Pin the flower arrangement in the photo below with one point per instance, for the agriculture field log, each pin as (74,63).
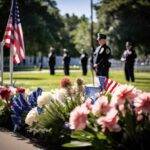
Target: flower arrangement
(99,119)
(6,95)
(120,120)
(56,106)
(21,105)
(65,94)
(79,86)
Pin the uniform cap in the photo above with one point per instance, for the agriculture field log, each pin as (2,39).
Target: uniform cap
(101,36)
(65,50)
(128,43)
(52,49)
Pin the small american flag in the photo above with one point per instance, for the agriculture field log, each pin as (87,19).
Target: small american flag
(13,37)
(107,84)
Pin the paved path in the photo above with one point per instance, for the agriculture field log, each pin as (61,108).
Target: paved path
(10,141)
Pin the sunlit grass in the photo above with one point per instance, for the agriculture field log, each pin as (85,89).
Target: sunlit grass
(44,80)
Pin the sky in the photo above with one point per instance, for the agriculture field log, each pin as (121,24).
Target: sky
(78,7)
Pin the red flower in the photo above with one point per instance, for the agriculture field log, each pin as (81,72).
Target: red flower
(20,90)
(65,82)
(5,93)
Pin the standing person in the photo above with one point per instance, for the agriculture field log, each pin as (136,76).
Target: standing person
(66,61)
(128,57)
(41,63)
(84,62)
(52,61)
(101,57)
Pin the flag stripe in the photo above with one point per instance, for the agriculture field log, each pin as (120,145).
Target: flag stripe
(107,84)
(13,37)
(113,87)
(110,86)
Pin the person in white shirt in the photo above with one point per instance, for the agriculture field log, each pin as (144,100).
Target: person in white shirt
(128,57)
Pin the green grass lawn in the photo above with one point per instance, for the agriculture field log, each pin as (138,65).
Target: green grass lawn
(44,80)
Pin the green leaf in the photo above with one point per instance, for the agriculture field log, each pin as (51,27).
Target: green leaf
(101,136)
(2,104)
(82,135)
(74,144)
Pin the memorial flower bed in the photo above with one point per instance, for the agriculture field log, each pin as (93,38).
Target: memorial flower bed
(6,95)
(76,115)
(114,121)
(56,106)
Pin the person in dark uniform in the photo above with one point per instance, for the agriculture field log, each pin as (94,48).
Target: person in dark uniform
(84,62)
(41,63)
(66,61)
(52,61)
(128,57)
(101,57)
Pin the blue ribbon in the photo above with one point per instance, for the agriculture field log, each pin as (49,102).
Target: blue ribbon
(20,106)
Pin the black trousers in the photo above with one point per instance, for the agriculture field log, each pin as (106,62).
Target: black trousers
(84,70)
(129,72)
(52,70)
(102,71)
(66,69)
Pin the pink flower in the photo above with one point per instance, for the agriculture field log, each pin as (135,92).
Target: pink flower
(110,121)
(12,90)
(123,93)
(88,104)
(139,117)
(142,103)
(101,106)
(78,118)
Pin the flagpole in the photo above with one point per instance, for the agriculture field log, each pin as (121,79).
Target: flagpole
(13,37)
(11,66)
(2,63)
(11,63)
(92,45)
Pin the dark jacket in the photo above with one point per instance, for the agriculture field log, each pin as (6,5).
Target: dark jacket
(129,56)
(84,59)
(66,59)
(101,56)
(52,59)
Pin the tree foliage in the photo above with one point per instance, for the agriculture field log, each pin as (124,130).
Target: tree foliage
(70,24)
(81,36)
(125,20)
(41,23)
(43,26)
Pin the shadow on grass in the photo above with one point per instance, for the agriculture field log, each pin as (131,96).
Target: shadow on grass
(26,78)
(143,82)
(142,78)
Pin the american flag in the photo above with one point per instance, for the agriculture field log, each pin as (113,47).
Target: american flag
(13,37)
(108,84)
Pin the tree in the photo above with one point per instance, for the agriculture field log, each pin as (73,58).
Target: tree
(125,20)
(81,36)
(41,23)
(72,23)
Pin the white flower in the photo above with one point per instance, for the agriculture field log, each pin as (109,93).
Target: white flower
(44,99)
(27,92)
(31,116)
(60,94)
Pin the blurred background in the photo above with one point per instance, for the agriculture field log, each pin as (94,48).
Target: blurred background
(67,24)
